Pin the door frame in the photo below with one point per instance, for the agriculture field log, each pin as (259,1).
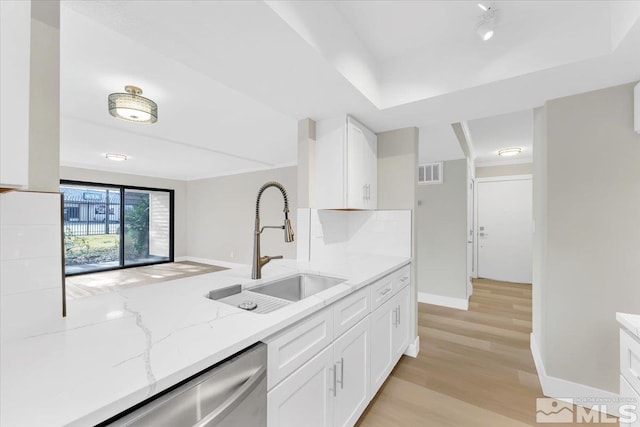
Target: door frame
(475,209)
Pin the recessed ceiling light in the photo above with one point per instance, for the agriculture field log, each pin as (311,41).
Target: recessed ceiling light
(511,151)
(483,7)
(116,157)
(132,107)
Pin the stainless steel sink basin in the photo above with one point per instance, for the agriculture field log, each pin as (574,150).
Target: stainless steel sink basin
(297,287)
(274,295)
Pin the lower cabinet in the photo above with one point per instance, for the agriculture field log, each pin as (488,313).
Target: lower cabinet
(400,335)
(389,337)
(332,389)
(325,370)
(351,354)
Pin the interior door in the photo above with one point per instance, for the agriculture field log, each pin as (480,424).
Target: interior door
(470,234)
(504,221)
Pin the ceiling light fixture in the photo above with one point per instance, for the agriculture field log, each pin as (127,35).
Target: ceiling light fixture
(116,157)
(132,107)
(487,22)
(511,151)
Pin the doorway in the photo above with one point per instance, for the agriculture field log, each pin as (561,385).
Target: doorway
(503,224)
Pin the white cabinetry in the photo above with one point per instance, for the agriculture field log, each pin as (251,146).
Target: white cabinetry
(351,355)
(630,374)
(332,389)
(15,48)
(381,344)
(324,370)
(389,336)
(305,398)
(346,165)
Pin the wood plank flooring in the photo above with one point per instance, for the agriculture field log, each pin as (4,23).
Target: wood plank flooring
(474,367)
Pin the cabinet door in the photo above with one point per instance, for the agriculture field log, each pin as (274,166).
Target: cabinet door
(351,357)
(371,169)
(400,312)
(356,166)
(381,342)
(306,397)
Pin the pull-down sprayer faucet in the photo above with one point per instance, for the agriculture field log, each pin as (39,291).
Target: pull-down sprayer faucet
(259,261)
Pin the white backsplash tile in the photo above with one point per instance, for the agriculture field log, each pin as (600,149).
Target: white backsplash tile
(302,234)
(336,234)
(24,208)
(29,241)
(27,275)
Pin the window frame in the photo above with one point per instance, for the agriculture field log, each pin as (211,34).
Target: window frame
(122,189)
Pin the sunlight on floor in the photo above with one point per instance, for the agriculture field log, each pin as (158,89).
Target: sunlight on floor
(108,281)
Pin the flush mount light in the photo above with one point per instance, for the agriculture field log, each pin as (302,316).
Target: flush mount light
(132,107)
(511,151)
(487,22)
(116,157)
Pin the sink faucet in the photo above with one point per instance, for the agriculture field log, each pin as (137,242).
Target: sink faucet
(260,261)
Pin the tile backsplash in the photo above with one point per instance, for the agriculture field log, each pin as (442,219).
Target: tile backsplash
(30,262)
(331,235)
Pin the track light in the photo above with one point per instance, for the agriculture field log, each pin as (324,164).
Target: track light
(487,22)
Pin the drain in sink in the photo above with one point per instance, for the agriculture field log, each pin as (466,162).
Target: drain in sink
(248,305)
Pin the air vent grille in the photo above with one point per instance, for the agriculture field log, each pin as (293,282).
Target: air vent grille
(430,173)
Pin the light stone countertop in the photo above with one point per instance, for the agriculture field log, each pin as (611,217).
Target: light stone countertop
(117,349)
(631,322)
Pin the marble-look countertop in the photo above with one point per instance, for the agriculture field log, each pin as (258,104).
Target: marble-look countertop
(630,321)
(115,350)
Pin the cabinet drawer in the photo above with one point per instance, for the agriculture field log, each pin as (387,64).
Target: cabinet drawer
(350,310)
(630,359)
(630,398)
(381,291)
(290,349)
(402,278)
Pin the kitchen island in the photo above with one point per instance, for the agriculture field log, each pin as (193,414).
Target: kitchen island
(116,350)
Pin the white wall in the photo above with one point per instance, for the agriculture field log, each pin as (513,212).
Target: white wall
(397,181)
(44,97)
(593,236)
(442,233)
(504,170)
(179,187)
(222,212)
(540,213)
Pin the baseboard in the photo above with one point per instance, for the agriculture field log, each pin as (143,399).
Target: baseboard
(414,348)
(560,389)
(217,262)
(451,302)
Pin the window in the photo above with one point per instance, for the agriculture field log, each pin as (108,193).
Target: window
(109,227)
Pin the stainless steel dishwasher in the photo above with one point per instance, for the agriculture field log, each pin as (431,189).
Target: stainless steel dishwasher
(230,394)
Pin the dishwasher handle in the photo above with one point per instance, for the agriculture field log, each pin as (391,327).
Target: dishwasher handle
(214,417)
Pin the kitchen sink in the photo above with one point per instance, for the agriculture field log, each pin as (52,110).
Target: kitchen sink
(274,295)
(297,287)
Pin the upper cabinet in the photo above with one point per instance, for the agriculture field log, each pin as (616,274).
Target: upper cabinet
(15,38)
(346,165)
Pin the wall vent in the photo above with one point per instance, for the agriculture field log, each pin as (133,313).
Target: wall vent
(430,173)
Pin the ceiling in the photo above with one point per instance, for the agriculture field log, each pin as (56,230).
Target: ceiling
(232,78)
(491,134)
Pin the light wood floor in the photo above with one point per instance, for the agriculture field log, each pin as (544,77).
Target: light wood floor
(106,281)
(474,367)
